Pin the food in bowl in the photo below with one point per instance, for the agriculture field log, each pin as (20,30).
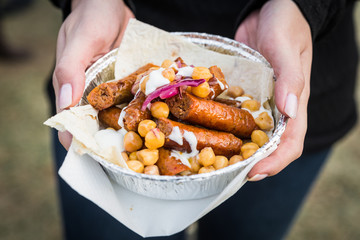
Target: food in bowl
(179,119)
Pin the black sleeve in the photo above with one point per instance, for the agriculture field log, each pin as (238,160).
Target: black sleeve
(322,15)
(64,5)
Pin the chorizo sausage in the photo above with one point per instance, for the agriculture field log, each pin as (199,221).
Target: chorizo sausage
(229,102)
(222,143)
(133,114)
(211,114)
(112,93)
(169,165)
(109,117)
(217,83)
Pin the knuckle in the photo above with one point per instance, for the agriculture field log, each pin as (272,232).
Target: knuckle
(60,72)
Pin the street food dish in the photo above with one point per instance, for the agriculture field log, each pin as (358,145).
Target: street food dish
(176,123)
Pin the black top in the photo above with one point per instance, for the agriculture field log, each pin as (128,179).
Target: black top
(331,110)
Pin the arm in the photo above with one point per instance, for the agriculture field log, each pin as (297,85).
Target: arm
(283,31)
(280,32)
(92,29)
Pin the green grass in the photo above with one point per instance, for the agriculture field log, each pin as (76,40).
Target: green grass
(28,203)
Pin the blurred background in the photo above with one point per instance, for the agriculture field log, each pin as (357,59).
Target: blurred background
(28,203)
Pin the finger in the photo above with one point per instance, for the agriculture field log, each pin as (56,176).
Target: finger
(282,157)
(69,74)
(290,80)
(246,32)
(65,139)
(290,147)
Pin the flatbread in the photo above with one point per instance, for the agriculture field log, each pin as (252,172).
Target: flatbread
(143,43)
(82,123)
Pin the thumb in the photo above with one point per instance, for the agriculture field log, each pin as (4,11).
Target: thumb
(69,77)
(290,79)
(69,74)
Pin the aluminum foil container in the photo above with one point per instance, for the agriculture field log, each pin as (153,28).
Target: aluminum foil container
(182,187)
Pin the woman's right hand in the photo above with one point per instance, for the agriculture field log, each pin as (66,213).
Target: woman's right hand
(92,29)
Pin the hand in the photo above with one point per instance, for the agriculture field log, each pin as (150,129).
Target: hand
(281,34)
(92,29)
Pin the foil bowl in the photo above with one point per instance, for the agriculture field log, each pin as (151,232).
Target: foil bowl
(182,187)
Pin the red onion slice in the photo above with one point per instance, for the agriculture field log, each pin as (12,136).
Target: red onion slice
(170,90)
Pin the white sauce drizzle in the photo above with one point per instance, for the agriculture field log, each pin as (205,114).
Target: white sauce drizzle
(176,136)
(185,71)
(242,99)
(156,79)
(261,110)
(213,91)
(222,86)
(256,114)
(121,118)
(191,139)
(174,65)
(182,156)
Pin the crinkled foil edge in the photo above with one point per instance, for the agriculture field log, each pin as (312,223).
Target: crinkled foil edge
(182,187)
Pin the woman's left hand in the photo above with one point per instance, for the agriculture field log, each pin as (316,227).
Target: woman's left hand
(282,35)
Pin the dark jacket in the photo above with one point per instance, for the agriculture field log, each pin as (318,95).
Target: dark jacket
(332,110)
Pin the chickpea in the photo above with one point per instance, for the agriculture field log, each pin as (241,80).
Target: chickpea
(159,109)
(147,156)
(143,84)
(206,169)
(132,141)
(136,166)
(201,73)
(252,105)
(195,165)
(236,158)
(202,90)
(145,126)
(185,173)
(169,74)
(235,91)
(132,156)
(125,156)
(220,162)
(248,153)
(166,63)
(249,145)
(206,157)
(154,139)
(151,170)
(266,105)
(259,137)
(264,121)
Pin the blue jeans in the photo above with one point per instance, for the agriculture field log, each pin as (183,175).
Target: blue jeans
(260,210)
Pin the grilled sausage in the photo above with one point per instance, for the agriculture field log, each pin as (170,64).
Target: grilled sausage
(212,115)
(133,114)
(109,117)
(229,102)
(221,142)
(169,165)
(115,92)
(217,83)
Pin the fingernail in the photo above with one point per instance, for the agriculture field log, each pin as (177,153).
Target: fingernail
(291,105)
(257,177)
(65,98)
